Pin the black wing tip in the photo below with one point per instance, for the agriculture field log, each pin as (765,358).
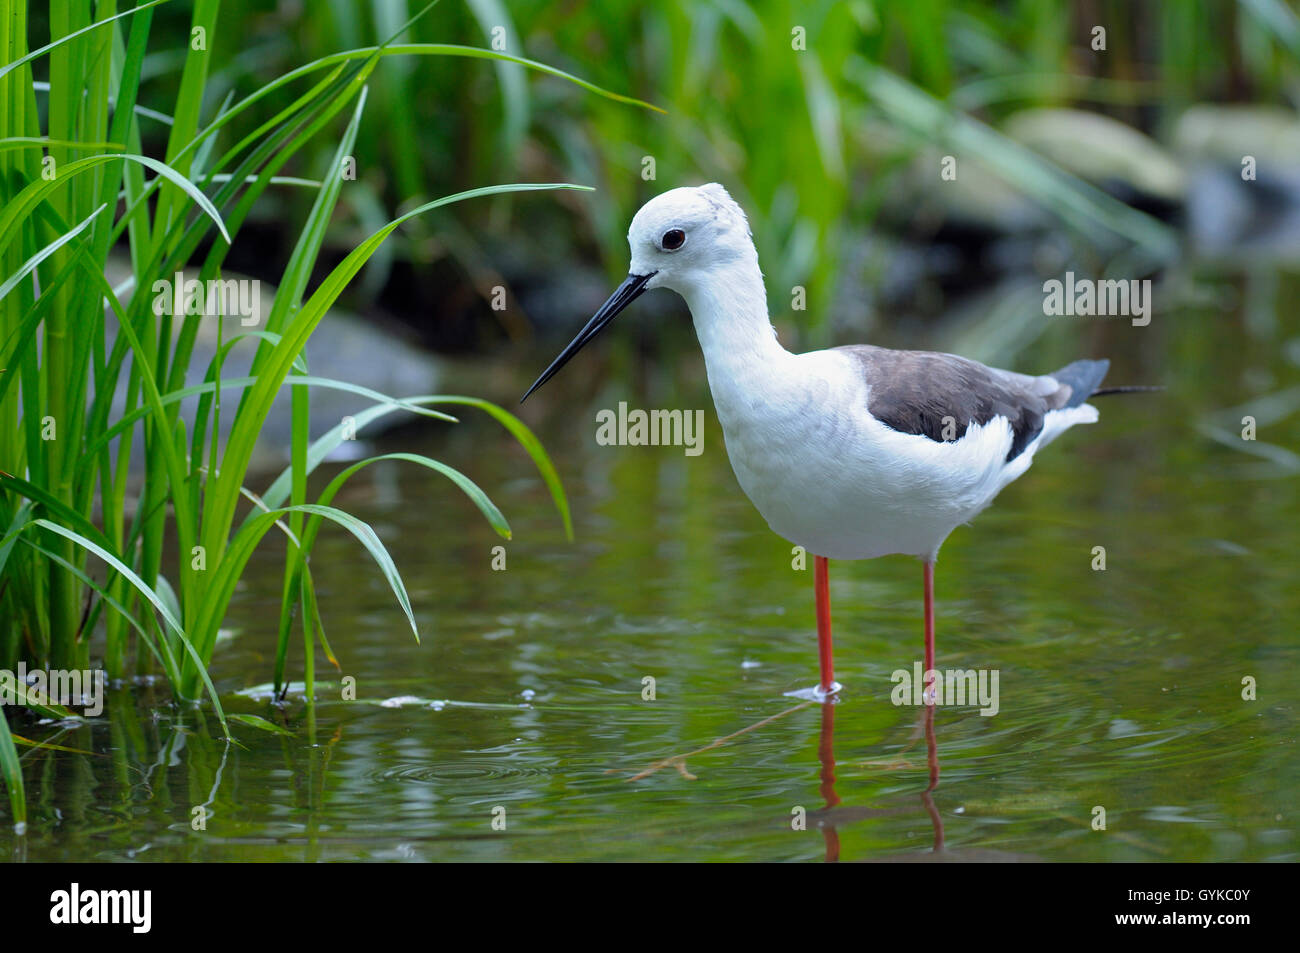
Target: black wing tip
(1082,377)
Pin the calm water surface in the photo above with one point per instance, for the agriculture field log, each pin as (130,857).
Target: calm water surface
(1119,689)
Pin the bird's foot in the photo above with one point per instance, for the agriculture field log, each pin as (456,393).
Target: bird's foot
(817,693)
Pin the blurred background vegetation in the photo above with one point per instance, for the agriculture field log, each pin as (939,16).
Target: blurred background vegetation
(833,150)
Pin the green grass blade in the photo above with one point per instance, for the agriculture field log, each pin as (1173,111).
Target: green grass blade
(22,516)
(411,49)
(11,770)
(217,593)
(13,356)
(474,52)
(139,584)
(36,192)
(117,564)
(236,383)
(519,430)
(258,400)
(466,485)
(172,453)
(278,491)
(31,264)
(36,54)
(160,648)
(260,723)
(42,142)
(309,595)
(36,701)
(54,506)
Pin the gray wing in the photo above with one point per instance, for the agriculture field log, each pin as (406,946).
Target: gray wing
(913,391)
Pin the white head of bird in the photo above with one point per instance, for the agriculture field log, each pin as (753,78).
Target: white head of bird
(685,235)
(696,242)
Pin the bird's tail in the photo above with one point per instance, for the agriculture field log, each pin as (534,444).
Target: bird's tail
(1130,389)
(1082,377)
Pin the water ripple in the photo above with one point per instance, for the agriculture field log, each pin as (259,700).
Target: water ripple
(462,769)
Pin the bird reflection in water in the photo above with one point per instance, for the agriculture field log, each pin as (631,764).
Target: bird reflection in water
(829,818)
(832,815)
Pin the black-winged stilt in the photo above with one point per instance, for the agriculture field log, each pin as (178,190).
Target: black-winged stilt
(850,452)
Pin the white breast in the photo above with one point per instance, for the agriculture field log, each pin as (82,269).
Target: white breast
(828,476)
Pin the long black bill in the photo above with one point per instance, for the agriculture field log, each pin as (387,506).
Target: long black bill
(631,289)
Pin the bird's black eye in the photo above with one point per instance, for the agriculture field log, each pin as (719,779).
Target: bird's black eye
(673,239)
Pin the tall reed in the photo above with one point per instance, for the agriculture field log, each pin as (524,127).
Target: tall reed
(155,574)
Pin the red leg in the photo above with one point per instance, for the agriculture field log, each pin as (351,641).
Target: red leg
(822,582)
(826,755)
(932,755)
(928,570)
(931,748)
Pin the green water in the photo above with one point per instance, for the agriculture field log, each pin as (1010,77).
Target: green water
(1119,689)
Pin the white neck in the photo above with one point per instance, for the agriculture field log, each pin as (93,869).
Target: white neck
(739,343)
